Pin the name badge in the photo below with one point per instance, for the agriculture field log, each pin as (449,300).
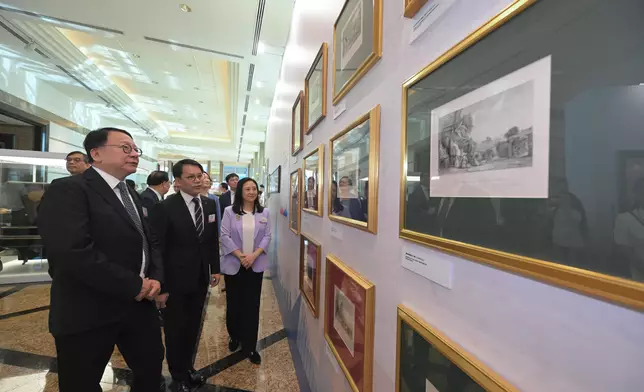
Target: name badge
(212,218)
(263,220)
(145,212)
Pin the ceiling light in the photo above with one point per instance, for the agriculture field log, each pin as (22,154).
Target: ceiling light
(200,101)
(155,82)
(259,84)
(257,101)
(136,56)
(261,48)
(167,72)
(185,8)
(197,88)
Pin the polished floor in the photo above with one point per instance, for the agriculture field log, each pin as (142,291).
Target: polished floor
(28,363)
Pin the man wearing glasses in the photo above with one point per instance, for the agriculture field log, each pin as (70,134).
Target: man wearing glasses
(105,267)
(77,162)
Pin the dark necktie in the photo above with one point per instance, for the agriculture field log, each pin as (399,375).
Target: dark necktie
(131,211)
(198,217)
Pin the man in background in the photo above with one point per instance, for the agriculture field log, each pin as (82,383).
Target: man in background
(262,195)
(227,198)
(77,162)
(158,186)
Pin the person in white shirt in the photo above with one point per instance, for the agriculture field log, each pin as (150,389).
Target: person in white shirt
(158,187)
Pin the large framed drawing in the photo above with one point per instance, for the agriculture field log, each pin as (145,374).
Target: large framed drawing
(275,180)
(313,169)
(349,322)
(295,194)
(353,189)
(412,7)
(310,269)
(297,122)
(315,90)
(357,43)
(427,360)
(501,167)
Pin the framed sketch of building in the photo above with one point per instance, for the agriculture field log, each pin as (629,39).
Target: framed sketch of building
(295,183)
(313,181)
(315,90)
(310,271)
(297,122)
(349,322)
(357,43)
(493,141)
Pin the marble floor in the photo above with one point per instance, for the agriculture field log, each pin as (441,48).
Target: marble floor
(28,363)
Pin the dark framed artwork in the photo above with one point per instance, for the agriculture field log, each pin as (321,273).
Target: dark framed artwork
(310,271)
(427,360)
(295,194)
(349,322)
(313,170)
(275,180)
(315,90)
(357,44)
(501,168)
(297,117)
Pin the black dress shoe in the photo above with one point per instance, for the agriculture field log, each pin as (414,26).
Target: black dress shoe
(181,386)
(233,344)
(254,358)
(196,378)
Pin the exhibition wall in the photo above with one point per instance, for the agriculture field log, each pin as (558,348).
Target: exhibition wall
(537,336)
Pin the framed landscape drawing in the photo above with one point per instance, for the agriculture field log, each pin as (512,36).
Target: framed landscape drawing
(297,118)
(274,180)
(426,360)
(295,183)
(349,322)
(502,167)
(310,269)
(315,90)
(412,7)
(357,43)
(313,169)
(353,189)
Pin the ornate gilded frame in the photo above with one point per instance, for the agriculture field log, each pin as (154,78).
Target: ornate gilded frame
(614,289)
(483,375)
(314,304)
(370,302)
(369,62)
(298,101)
(320,175)
(298,173)
(323,57)
(373,116)
(412,7)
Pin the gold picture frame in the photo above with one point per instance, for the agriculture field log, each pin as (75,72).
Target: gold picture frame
(294,215)
(412,7)
(363,295)
(318,198)
(313,303)
(472,367)
(369,61)
(297,122)
(599,285)
(371,224)
(321,61)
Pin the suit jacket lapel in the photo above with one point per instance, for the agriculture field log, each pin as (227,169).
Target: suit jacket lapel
(258,217)
(96,182)
(185,214)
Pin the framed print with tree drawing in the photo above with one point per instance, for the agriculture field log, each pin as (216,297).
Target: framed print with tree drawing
(315,90)
(297,118)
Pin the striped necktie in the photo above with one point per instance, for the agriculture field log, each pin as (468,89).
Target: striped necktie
(131,211)
(198,217)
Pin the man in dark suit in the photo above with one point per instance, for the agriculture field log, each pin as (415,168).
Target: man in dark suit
(186,226)
(158,186)
(227,198)
(105,268)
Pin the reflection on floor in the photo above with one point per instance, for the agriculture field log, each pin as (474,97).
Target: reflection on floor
(27,352)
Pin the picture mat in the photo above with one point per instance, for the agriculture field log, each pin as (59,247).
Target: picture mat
(315,95)
(351,34)
(344,315)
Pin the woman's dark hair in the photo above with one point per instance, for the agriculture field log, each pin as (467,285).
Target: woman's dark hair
(223,185)
(238,203)
(335,203)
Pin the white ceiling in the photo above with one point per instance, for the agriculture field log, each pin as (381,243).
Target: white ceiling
(189,92)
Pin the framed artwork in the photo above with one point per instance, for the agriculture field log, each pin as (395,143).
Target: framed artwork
(315,90)
(313,168)
(297,118)
(274,180)
(353,189)
(427,360)
(310,270)
(492,168)
(349,322)
(295,184)
(413,6)
(357,43)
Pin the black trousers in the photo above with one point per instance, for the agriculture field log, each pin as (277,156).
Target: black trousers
(181,325)
(243,294)
(82,357)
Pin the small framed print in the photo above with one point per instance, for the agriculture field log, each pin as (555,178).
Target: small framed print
(413,6)
(349,322)
(315,90)
(297,118)
(357,44)
(274,180)
(426,360)
(310,261)
(313,168)
(353,189)
(294,200)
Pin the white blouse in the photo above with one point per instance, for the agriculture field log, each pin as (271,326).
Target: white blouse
(248,233)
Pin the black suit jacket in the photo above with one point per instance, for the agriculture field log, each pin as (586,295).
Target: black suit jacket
(94,252)
(188,260)
(225,201)
(149,199)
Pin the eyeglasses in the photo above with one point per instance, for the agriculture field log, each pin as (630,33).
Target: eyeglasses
(74,160)
(193,177)
(127,149)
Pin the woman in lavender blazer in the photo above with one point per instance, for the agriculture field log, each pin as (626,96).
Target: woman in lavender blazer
(245,236)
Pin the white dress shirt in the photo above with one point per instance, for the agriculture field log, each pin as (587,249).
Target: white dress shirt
(113,183)
(248,233)
(156,193)
(191,206)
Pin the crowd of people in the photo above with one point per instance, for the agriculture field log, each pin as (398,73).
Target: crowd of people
(118,258)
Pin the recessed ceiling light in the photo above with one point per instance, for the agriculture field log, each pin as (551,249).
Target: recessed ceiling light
(155,82)
(189,65)
(257,101)
(200,101)
(185,8)
(197,88)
